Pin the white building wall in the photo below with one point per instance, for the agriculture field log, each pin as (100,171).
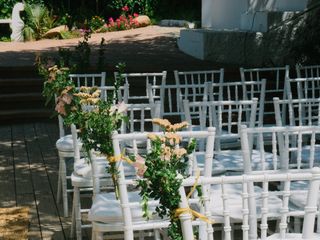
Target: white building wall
(238,14)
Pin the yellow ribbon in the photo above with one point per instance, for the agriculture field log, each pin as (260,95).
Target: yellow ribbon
(194,213)
(113,159)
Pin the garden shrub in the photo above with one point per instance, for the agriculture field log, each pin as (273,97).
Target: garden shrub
(38,21)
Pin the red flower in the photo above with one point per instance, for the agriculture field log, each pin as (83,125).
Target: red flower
(110,19)
(136,15)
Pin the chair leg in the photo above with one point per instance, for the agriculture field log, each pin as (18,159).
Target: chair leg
(64,187)
(77,211)
(73,221)
(157,234)
(59,182)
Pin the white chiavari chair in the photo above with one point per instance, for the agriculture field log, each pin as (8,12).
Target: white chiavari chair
(125,215)
(64,144)
(138,81)
(275,86)
(253,204)
(307,71)
(226,117)
(139,120)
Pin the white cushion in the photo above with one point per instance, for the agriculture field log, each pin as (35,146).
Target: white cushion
(305,155)
(105,208)
(65,144)
(295,236)
(299,193)
(232,160)
(234,201)
(83,168)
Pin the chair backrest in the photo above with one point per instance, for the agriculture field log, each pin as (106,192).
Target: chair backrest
(225,116)
(89,80)
(299,112)
(307,71)
(84,80)
(299,88)
(275,85)
(140,117)
(189,85)
(126,203)
(293,147)
(138,85)
(257,204)
(237,91)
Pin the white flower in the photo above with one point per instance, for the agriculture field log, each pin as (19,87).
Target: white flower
(122,107)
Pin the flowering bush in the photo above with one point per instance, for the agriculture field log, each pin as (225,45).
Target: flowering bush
(165,168)
(124,22)
(96,23)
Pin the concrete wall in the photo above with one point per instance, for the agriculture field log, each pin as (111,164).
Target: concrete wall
(244,14)
(241,48)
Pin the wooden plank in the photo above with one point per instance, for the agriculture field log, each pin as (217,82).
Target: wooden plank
(21,162)
(50,222)
(28,200)
(50,157)
(7,175)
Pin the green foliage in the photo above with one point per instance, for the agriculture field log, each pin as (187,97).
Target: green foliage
(6,7)
(306,45)
(38,21)
(166,166)
(96,23)
(146,7)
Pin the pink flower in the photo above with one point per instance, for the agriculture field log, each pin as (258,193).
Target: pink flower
(140,166)
(67,98)
(60,108)
(111,20)
(136,15)
(125,8)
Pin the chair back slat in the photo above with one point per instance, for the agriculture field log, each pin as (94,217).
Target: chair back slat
(275,86)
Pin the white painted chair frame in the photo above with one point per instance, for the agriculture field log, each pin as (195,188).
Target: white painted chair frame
(249,202)
(301,88)
(62,191)
(129,226)
(307,71)
(85,184)
(275,86)
(143,80)
(237,91)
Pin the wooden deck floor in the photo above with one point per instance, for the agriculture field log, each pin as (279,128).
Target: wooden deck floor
(28,176)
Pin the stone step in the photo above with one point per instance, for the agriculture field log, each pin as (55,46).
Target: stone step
(20,85)
(21,100)
(22,115)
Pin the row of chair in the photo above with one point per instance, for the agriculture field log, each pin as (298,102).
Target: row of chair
(255,89)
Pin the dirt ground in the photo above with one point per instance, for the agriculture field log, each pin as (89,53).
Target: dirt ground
(147,49)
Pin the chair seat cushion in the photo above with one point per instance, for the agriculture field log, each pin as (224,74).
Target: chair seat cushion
(305,155)
(233,192)
(295,236)
(82,168)
(299,192)
(105,208)
(232,160)
(65,143)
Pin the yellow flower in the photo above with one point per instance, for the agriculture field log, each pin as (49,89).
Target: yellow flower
(172,138)
(179,126)
(179,152)
(165,123)
(166,153)
(152,136)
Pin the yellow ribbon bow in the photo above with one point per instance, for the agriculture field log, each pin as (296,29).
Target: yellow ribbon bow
(194,213)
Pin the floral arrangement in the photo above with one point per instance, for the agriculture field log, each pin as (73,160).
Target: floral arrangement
(97,119)
(165,168)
